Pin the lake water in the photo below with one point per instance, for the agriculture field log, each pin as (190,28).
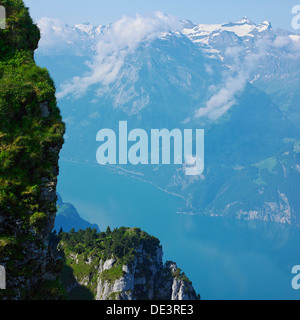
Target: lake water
(224,258)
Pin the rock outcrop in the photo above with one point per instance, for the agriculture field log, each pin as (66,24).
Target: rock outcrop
(138,274)
(144,281)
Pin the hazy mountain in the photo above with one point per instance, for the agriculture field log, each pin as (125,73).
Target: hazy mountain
(67,218)
(238,81)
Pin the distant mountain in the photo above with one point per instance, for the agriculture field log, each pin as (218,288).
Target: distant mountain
(67,218)
(274,54)
(239,81)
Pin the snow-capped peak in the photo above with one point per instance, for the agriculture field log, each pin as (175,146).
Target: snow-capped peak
(203,33)
(245,20)
(89,29)
(264,26)
(85,27)
(83,38)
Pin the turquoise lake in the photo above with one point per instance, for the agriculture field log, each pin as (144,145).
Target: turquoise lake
(224,258)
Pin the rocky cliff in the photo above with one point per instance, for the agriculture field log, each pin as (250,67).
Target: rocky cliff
(31,136)
(124,264)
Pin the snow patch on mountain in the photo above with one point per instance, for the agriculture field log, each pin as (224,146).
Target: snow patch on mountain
(203,32)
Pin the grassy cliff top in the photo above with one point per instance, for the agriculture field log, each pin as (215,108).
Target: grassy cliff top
(120,243)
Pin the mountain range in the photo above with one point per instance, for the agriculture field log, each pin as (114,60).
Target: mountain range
(238,81)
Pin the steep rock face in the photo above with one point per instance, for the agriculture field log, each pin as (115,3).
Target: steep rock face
(31,134)
(172,284)
(162,282)
(137,281)
(112,273)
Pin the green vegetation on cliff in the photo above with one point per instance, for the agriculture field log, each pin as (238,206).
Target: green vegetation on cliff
(122,264)
(121,243)
(26,137)
(31,135)
(83,251)
(20,35)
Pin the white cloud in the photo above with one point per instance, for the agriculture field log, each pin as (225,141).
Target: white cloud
(56,36)
(281,41)
(115,44)
(223,100)
(234,81)
(290,46)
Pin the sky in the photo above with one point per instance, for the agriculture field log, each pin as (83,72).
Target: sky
(278,12)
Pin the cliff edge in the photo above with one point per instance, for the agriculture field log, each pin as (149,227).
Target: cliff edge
(31,136)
